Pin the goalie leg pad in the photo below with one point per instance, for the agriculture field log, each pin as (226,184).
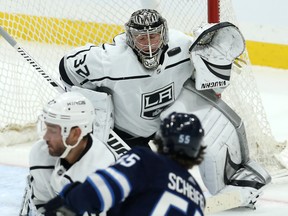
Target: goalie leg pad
(250,180)
(220,137)
(251,175)
(104,112)
(210,98)
(227,147)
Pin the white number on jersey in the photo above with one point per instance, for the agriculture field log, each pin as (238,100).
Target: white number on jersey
(128,160)
(169,200)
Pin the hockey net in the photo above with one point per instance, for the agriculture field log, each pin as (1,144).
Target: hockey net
(48,29)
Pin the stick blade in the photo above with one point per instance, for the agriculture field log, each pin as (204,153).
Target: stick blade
(222,202)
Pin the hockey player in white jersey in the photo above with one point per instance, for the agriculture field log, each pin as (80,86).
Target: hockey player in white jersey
(144,71)
(150,68)
(143,182)
(68,151)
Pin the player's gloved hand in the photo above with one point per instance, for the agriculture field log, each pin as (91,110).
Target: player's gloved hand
(58,206)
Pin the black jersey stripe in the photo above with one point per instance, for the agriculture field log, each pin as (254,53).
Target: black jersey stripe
(63,74)
(118,78)
(41,167)
(177,63)
(84,50)
(69,178)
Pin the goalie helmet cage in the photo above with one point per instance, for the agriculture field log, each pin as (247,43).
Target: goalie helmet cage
(48,29)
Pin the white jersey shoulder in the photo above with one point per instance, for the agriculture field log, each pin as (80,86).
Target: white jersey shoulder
(48,175)
(139,95)
(41,166)
(117,60)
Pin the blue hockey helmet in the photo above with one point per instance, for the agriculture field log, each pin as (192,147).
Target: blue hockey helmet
(181,133)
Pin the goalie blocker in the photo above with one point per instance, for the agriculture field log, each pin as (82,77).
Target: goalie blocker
(213,52)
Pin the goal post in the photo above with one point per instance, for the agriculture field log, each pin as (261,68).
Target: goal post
(213,10)
(48,29)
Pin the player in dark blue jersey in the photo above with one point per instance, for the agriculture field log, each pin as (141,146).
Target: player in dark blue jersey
(143,182)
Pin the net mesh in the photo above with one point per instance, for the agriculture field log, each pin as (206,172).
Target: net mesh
(48,29)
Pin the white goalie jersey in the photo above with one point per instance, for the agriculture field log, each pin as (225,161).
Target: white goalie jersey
(139,95)
(48,175)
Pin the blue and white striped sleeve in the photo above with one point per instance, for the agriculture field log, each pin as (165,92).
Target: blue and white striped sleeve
(111,186)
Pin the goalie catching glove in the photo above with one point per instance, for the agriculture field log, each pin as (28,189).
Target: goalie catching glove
(213,52)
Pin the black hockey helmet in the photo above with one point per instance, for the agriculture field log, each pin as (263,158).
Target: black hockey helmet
(181,133)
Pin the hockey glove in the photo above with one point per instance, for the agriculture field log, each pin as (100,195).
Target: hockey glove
(58,206)
(213,52)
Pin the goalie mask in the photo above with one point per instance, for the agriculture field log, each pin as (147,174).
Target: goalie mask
(181,133)
(147,34)
(68,110)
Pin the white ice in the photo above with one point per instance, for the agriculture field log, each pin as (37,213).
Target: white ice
(273,88)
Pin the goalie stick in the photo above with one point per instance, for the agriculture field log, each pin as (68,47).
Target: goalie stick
(114,141)
(30,60)
(222,202)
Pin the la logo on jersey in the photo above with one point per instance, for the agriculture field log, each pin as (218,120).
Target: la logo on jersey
(153,103)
